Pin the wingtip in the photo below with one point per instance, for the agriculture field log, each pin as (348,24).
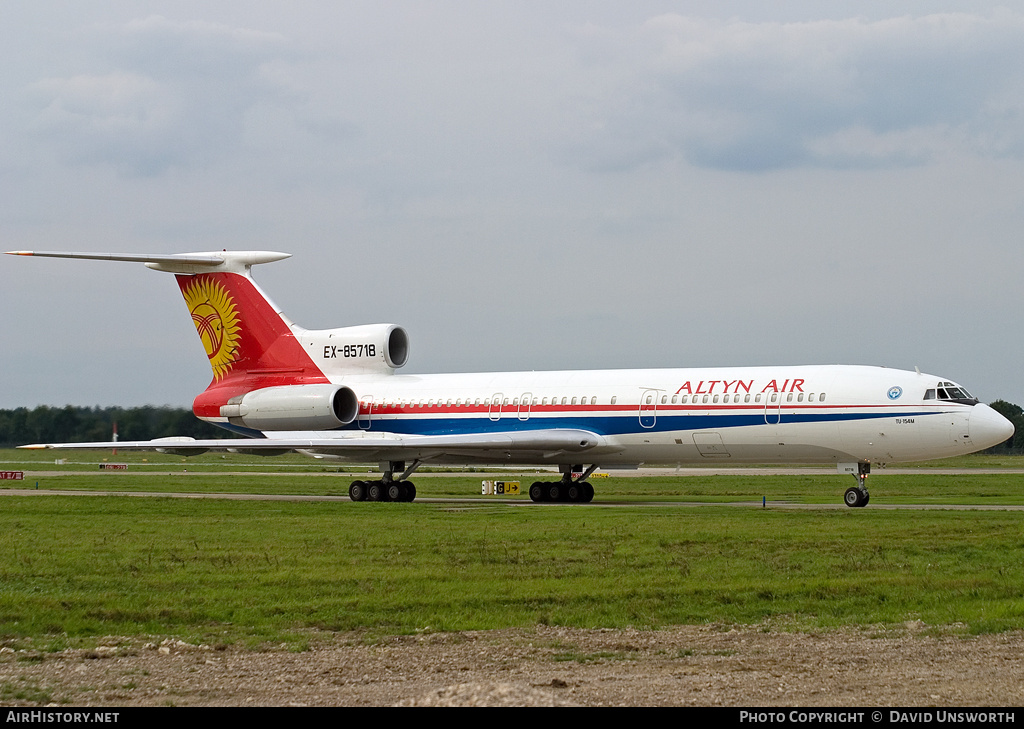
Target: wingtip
(19,253)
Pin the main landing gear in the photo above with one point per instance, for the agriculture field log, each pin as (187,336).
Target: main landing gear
(578,491)
(388,488)
(858,495)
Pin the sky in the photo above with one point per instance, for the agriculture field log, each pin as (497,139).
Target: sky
(522,185)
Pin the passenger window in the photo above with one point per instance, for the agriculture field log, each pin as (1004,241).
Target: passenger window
(715,399)
(746,398)
(705,398)
(593,400)
(725,398)
(574,401)
(664,399)
(789,397)
(614,398)
(821,398)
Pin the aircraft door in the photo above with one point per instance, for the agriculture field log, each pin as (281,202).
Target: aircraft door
(494,411)
(773,408)
(366,412)
(524,405)
(648,408)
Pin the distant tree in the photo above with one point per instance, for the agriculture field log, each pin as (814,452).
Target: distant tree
(74,424)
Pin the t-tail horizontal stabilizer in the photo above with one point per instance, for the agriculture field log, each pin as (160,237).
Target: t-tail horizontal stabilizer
(204,262)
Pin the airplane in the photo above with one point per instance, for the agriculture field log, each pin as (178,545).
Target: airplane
(335,393)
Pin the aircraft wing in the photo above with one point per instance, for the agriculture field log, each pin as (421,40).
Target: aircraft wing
(376,446)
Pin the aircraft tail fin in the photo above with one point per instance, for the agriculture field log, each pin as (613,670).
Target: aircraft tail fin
(244,334)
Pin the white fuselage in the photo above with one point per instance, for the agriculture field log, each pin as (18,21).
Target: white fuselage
(801,414)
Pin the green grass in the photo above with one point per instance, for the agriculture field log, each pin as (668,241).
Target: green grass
(918,488)
(73,569)
(227,571)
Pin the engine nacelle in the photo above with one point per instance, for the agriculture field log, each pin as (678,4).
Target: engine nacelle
(371,348)
(293,407)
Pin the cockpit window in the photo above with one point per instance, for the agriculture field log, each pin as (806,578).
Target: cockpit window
(952,392)
(929,394)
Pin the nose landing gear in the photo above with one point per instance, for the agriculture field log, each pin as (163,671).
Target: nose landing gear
(858,495)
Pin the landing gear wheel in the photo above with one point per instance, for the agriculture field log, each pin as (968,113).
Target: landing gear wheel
(410,491)
(357,491)
(575,492)
(376,491)
(396,491)
(854,497)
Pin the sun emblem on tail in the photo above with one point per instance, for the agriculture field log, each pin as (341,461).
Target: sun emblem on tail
(216,321)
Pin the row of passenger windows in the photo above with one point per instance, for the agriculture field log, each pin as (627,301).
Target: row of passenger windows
(746,397)
(486,402)
(772,397)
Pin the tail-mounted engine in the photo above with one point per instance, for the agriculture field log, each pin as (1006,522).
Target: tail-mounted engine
(293,407)
(367,349)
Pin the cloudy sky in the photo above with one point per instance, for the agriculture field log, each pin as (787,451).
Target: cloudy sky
(522,185)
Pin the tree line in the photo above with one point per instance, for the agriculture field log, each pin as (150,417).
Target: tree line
(73,424)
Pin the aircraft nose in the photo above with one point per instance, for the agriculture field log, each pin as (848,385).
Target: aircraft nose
(987,427)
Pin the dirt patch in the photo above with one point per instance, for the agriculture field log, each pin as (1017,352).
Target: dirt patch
(690,665)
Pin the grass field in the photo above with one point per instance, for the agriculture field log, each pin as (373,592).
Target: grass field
(228,571)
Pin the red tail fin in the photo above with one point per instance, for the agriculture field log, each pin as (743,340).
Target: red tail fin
(248,343)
